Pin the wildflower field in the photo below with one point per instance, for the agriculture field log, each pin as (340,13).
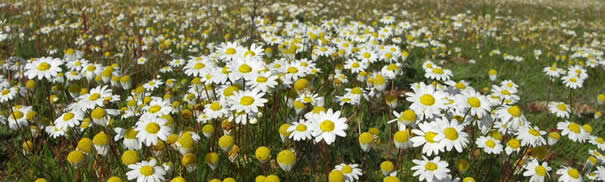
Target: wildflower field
(318,90)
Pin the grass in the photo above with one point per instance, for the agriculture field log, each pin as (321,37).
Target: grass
(520,28)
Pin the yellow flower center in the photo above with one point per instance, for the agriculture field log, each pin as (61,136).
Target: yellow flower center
(347,169)
(98,113)
(215,106)
(355,64)
(450,133)
(401,136)
(388,55)
(430,136)
(292,70)
(17,115)
(68,116)
(301,127)
(427,99)
(409,115)
(431,166)
(490,143)
(147,170)
(540,170)
(249,53)
(474,102)
(91,68)
(599,140)
(515,111)
(225,70)
(505,92)
(514,143)
(574,80)
(562,107)
(392,67)
(152,128)
(155,108)
(230,51)
(438,71)
(367,55)
(94,96)
(43,66)
(199,66)
(131,134)
(5,92)
(534,132)
(244,68)
(574,173)
(460,85)
(356,91)
(573,127)
(246,100)
(261,79)
(307,99)
(286,157)
(327,126)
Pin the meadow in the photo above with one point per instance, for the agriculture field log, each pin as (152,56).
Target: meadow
(322,90)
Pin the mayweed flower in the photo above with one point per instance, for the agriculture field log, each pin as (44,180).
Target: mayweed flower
(130,157)
(263,154)
(430,170)
(569,174)
(208,130)
(189,161)
(146,171)
(327,125)
(101,143)
(366,141)
(286,160)
(85,145)
(336,176)
(387,167)
(489,145)
(351,172)
(283,132)
(226,142)
(537,172)
(76,158)
(211,160)
(401,139)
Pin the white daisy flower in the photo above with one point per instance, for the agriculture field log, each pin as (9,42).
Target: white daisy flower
(327,125)
(430,170)
(18,118)
(538,172)
(151,85)
(151,128)
(560,109)
(569,174)
(300,131)
(489,145)
(43,68)
(8,94)
(146,171)
(453,136)
(95,97)
(264,81)
(350,171)
(55,131)
(531,136)
(574,131)
(70,119)
(429,136)
(247,101)
(426,100)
